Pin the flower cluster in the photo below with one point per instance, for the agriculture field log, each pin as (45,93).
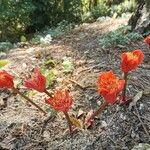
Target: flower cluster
(6,80)
(109,85)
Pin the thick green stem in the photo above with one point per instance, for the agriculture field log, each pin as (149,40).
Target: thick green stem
(101,108)
(29,100)
(68,121)
(125,87)
(49,94)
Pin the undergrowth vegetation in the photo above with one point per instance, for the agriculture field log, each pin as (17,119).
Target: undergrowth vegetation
(121,36)
(24,18)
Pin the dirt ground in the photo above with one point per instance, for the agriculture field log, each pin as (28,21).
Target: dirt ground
(22,127)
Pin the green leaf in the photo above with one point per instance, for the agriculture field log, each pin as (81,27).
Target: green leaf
(68,64)
(3,63)
(50,76)
(23,39)
(50,62)
(31,93)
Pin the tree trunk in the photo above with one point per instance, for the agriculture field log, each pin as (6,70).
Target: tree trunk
(140,20)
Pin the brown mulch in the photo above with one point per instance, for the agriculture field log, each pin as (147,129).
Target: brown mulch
(22,127)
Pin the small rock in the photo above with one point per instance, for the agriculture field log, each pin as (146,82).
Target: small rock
(99,103)
(103,124)
(46,135)
(3,55)
(141,107)
(133,135)
(30,50)
(2,103)
(122,117)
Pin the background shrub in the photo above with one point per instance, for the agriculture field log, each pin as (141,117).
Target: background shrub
(25,17)
(121,36)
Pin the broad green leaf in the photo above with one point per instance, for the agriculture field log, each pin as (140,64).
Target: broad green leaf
(3,63)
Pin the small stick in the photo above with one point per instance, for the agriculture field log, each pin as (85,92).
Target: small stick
(81,86)
(29,100)
(138,115)
(69,122)
(101,108)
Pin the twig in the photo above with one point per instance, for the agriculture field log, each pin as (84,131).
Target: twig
(101,108)
(29,100)
(141,117)
(80,85)
(49,118)
(138,115)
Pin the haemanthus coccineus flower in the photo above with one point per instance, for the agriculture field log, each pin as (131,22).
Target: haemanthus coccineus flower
(61,101)
(131,60)
(6,80)
(147,40)
(37,82)
(109,86)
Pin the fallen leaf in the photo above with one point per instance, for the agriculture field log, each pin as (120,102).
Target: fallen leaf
(88,122)
(76,122)
(135,99)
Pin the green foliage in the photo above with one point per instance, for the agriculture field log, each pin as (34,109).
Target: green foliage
(67,64)
(3,63)
(31,93)
(14,18)
(126,6)
(61,28)
(100,10)
(18,16)
(121,36)
(24,17)
(4,46)
(50,76)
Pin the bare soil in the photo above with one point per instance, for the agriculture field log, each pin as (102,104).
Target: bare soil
(22,127)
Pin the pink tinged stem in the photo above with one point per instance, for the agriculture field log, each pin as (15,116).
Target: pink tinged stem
(29,100)
(69,122)
(101,108)
(125,87)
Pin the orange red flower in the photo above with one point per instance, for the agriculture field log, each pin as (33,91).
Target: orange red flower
(37,82)
(61,101)
(109,86)
(147,40)
(6,80)
(131,60)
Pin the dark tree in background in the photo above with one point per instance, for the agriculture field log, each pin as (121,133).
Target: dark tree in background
(140,20)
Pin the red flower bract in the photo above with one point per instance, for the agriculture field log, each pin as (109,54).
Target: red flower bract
(61,101)
(147,40)
(6,80)
(109,86)
(38,82)
(131,60)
